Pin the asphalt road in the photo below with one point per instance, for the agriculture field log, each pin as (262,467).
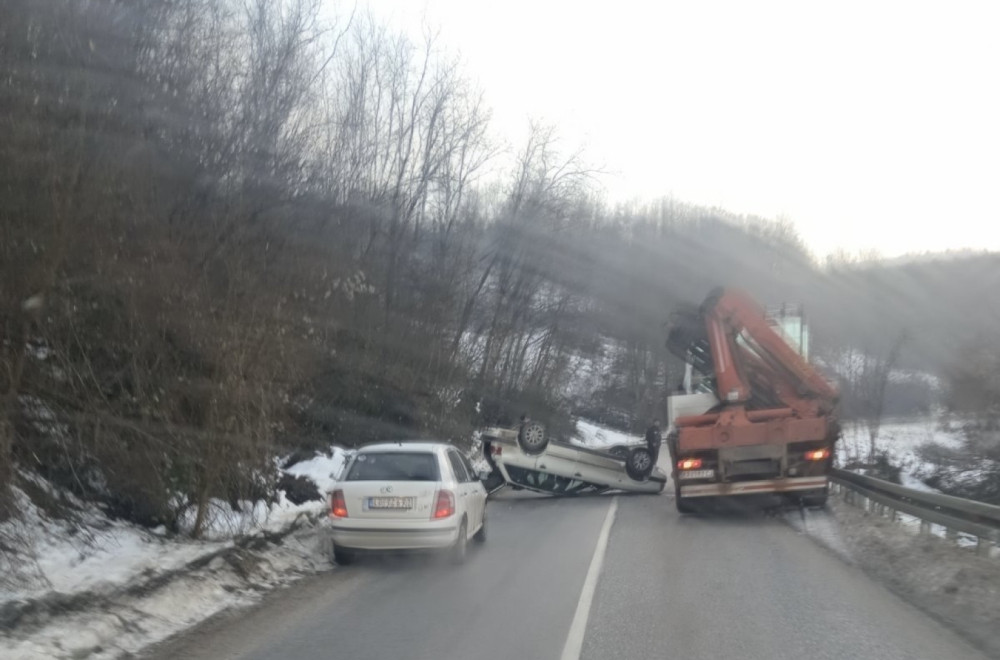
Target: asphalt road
(739,585)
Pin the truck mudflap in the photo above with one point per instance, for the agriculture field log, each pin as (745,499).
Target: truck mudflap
(754,487)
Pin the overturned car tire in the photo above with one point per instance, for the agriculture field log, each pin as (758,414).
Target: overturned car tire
(639,463)
(531,438)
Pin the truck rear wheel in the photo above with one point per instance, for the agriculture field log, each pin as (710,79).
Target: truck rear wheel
(815,499)
(683,505)
(639,463)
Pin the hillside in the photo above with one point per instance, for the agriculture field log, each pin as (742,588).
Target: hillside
(194,278)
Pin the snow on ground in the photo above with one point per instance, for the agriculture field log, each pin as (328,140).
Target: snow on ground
(590,434)
(475,454)
(223,523)
(902,439)
(322,469)
(93,554)
(589,369)
(127,623)
(127,586)
(852,364)
(909,481)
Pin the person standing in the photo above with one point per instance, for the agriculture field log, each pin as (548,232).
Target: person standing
(653,440)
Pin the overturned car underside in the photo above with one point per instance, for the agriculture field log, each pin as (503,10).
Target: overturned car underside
(526,458)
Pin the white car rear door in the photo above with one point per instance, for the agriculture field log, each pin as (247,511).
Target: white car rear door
(466,491)
(479,490)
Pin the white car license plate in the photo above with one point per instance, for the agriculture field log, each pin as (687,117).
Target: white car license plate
(391,502)
(697,474)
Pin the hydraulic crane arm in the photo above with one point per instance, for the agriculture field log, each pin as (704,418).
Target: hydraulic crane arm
(740,315)
(752,364)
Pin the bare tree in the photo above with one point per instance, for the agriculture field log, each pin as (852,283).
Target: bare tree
(866,377)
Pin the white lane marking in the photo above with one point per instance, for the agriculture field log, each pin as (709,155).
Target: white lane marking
(577,630)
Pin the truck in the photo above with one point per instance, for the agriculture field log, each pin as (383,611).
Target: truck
(753,415)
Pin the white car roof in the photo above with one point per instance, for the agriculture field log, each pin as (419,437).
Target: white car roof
(404,445)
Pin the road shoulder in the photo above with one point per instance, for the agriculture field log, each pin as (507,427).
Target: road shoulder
(951,583)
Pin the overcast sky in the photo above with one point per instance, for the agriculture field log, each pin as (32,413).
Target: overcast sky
(867,124)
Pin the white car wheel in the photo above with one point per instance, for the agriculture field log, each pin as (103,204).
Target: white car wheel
(458,551)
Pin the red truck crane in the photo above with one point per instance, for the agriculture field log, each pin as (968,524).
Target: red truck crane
(766,419)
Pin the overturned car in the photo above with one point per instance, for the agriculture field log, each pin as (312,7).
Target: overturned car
(525,457)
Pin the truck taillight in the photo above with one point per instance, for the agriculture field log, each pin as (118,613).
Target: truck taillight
(496,450)
(444,504)
(338,507)
(817,454)
(689,463)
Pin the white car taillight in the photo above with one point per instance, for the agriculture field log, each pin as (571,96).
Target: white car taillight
(444,505)
(338,507)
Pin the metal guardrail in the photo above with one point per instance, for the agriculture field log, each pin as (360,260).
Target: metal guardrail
(953,513)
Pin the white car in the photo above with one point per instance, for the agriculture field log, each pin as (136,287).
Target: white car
(528,459)
(407,496)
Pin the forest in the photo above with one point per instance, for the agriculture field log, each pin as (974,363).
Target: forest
(233,229)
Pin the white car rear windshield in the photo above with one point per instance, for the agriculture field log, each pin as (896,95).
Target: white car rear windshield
(394,466)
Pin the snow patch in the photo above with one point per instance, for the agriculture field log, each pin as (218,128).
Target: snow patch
(223,523)
(852,363)
(92,553)
(105,589)
(130,623)
(323,470)
(909,481)
(92,556)
(475,454)
(589,434)
(902,439)
(588,369)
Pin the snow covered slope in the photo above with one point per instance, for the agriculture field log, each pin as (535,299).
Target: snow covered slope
(95,587)
(590,434)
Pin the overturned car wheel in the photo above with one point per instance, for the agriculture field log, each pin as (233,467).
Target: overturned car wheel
(639,464)
(532,439)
